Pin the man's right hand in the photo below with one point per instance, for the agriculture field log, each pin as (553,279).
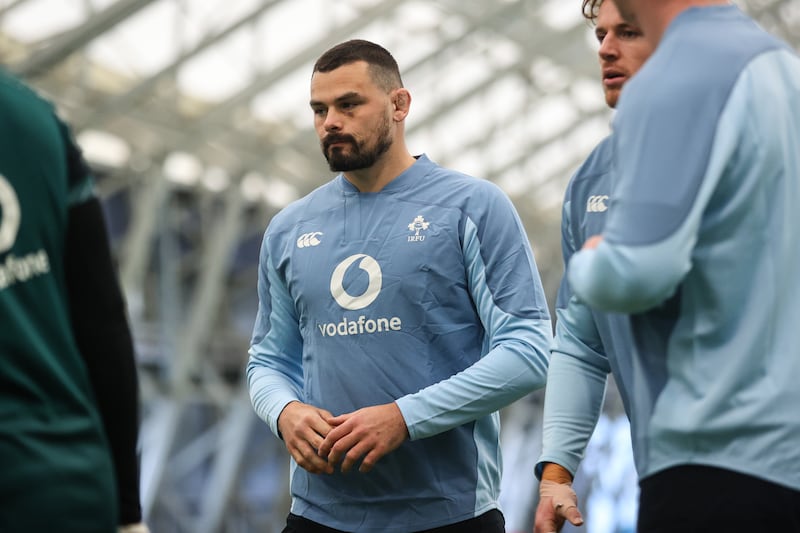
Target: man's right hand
(303,428)
(557,501)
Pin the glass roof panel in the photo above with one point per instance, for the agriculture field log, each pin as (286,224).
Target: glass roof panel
(505,90)
(36,20)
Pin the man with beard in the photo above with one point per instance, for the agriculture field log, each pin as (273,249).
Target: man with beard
(700,248)
(399,309)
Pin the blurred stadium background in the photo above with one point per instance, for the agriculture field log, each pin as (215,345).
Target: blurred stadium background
(194,117)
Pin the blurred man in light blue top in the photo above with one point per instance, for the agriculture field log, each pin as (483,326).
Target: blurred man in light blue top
(700,248)
(589,344)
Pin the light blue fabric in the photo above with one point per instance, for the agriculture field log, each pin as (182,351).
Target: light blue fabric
(701,244)
(590,344)
(425,293)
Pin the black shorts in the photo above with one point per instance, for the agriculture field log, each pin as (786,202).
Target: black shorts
(489,522)
(702,499)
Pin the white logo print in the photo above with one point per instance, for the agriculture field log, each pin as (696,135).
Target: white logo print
(363,325)
(368,265)
(417,225)
(309,239)
(15,269)
(597,204)
(9,215)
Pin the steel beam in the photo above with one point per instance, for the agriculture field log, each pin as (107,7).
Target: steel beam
(67,43)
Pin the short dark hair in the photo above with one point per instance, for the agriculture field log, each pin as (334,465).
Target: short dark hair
(382,66)
(590,9)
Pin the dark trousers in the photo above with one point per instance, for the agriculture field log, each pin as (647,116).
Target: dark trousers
(489,522)
(701,499)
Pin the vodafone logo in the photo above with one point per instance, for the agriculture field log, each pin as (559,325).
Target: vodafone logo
(363,325)
(9,215)
(16,269)
(360,301)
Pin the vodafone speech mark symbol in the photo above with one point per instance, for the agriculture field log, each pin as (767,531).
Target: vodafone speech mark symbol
(348,301)
(9,215)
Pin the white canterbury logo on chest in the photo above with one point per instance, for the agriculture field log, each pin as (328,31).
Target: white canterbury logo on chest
(597,203)
(308,240)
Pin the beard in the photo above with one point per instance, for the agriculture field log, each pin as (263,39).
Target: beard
(360,155)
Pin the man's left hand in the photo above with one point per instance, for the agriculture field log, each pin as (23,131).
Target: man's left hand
(371,433)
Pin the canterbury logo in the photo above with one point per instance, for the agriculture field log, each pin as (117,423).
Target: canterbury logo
(597,204)
(360,301)
(9,215)
(309,239)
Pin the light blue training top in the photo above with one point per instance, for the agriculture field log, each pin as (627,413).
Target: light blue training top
(425,293)
(589,344)
(701,244)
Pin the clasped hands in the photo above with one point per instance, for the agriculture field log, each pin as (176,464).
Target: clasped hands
(318,441)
